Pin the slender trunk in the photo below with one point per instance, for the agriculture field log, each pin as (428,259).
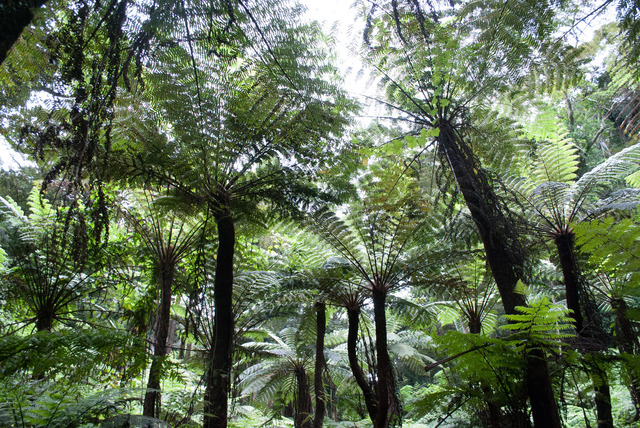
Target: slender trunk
(492,413)
(321,327)
(187,353)
(303,418)
(219,372)
(565,244)
(352,342)
(505,259)
(602,393)
(151,406)
(566,252)
(627,343)
(388,403)
(540,390)
(602,399)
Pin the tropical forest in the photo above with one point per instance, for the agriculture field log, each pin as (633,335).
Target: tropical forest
(240,213)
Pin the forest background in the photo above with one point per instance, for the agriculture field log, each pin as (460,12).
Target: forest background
(213,230)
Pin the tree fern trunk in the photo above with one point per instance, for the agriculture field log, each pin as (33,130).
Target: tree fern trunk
(151,406)
(388,404)
(602,393)
(505,259)
(565,244)
(321,327)
(543,405)
(352,343)
(303,418)
(45,317)
(492,413)
(627,342)
(219,373)
(566,253)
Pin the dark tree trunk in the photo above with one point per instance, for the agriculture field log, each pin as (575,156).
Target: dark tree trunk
(566,252)
(505,259)
(498,238)
(352,342)
(565,244)
(15,15)
(492,413)
(321,327)
(151,406)
(540,390)
(219,372)
(44,318)
(627,342)
(388,404)
(304,408)
(602,399)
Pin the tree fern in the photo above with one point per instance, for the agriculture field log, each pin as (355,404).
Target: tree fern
(539,325)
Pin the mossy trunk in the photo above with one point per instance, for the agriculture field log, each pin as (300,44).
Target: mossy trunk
(370,401)
(304,408)
(388,412)
(151,406)
(220,359)
(318,384)
(565,244)
(627,343)
(505,258)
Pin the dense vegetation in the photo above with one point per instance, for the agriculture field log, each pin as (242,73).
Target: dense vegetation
(210,234)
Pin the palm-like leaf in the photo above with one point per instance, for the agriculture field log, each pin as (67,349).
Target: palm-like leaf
(558,197)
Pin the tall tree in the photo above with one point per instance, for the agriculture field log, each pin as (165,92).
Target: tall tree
(376,238)
(248,128)
(169,238)
(431,75)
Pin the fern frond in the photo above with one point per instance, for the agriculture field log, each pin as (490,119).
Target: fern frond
(542,324)
(557,160)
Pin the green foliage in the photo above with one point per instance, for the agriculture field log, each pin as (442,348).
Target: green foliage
(542,325)
(75,354)
(46,404)
(611,244)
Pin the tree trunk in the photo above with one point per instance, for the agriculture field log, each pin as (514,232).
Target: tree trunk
(627,342)
(388,413)
(321,327)
(14,17)
(303,418)
(566,252)
(45,317)
(602,393)
(492,413)
(505,258)
(219,372)
(540,390)
(565,244)
(151,406)
(352,342)
(603,401)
